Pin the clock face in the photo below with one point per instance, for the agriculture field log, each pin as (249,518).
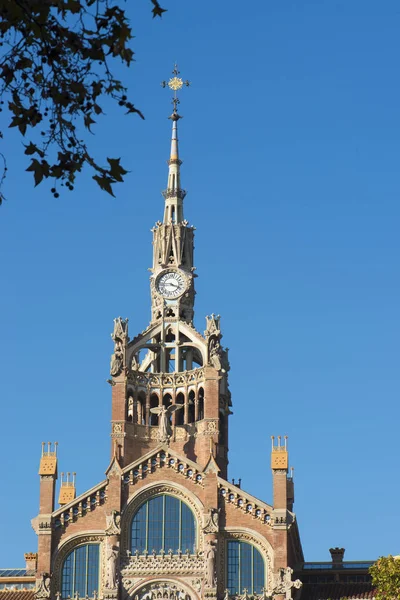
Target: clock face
(171,284)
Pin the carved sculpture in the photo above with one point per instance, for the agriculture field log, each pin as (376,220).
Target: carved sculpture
(215,354)
(164,425)
(211,524)
(116,364)
(167,591)
(283,583)
(112,558)
(43,590)
(113,522)
(210,553)
(120,337)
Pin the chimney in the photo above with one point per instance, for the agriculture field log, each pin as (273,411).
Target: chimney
(67,489)
(31,562)
(337,555)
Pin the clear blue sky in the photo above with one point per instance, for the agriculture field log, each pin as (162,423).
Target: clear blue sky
(291,148)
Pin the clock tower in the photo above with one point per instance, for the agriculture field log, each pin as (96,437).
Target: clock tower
(170,383)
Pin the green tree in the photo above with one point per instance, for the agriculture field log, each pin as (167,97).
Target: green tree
(56,59)
(385,573)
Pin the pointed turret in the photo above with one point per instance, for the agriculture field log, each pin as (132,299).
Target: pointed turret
(174,194)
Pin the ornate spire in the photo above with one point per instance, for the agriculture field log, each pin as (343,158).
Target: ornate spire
(174,194)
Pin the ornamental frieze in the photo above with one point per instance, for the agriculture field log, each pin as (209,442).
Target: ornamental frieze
(157,380)
(164,563)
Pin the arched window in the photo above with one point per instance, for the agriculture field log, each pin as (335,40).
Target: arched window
(191,408)
(154,402)
(163,523)
(201,405)
(80,572)
(245,569)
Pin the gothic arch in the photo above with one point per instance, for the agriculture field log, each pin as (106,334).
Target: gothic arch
(258,541)
(61,553)
(153,489)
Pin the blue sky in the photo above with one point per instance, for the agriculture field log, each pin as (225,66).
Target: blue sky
(291,148)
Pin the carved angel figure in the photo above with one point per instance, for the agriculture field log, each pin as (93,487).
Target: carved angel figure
(164,424)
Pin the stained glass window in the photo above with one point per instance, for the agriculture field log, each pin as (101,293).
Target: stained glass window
(80,572)
(245,568)
(163,523)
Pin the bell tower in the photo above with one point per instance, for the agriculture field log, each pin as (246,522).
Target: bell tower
(170,383)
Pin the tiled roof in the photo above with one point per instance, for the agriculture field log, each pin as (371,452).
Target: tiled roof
(17,594)
(337,591)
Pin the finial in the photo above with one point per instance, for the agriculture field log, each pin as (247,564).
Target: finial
(175,83)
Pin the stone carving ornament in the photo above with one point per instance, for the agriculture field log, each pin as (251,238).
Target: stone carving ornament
(159,590)
(164,564)
(211,523)
(113,522)
(283,583)
(43,590)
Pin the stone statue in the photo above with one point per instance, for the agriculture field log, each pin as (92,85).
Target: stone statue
(211,551)
(134,364)
(43,590)
(120,338)
(116,364)
(164,415)
(215,354)
(112,557)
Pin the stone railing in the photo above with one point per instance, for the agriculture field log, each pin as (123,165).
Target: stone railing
(246,596)
(161,460)
(82,505)
(163,380)
(76,596)
(248,504)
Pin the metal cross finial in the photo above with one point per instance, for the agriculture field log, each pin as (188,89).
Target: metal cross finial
(175,83)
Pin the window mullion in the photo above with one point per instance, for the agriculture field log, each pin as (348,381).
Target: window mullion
(147,527)
(73,574)
(163,523)
(86,569)
(180,528)
(240,568)
(252,571)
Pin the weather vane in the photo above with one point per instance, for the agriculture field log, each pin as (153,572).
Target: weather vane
(175,84)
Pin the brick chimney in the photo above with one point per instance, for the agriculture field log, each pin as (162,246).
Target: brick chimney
(337,555)
(31,561)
